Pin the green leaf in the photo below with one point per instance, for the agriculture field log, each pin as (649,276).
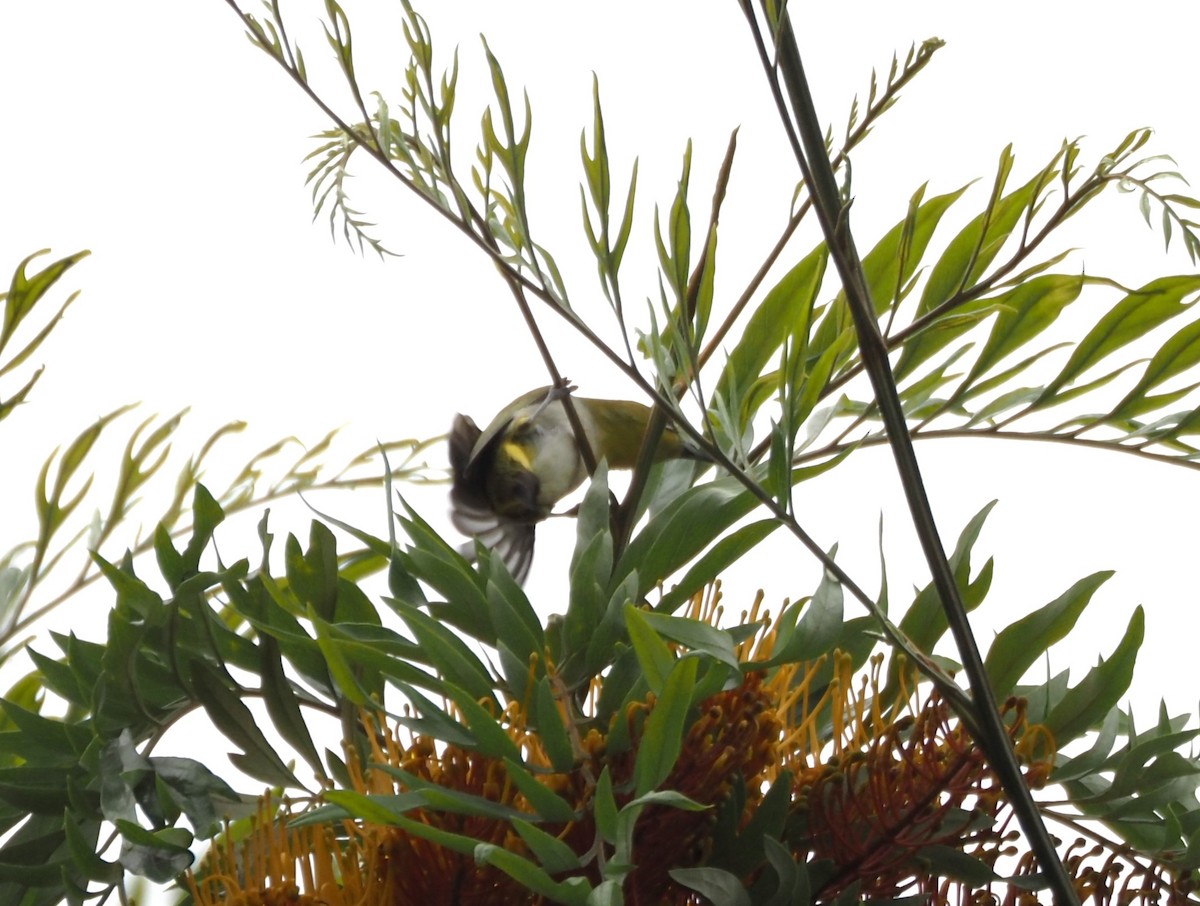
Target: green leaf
(447,572)
(591,565)
(160,855)
(312,574)
(547,803)
(682,530)
(817,630)
(978,243)
(358,803)
(1067,769)
(1020,644)
(573,891)
(1025,311)
(517,624)
(378,809)
(222,700)
(793,887)
(605,807)
(448,653)
(727,551)
(925,621)
(1180,353)
(624,683)
(1086,705)
(43,741)
(952,862)
(344,676)
(1133,317)
(551,729)
(200,794)
(696,635)
(490,738)
(259,601)
(82,841)
(58,678)
(25,292)
(964,261)
(554,855)
(662,734)
(716,885)
(654,655)
(789,302)
(434,720)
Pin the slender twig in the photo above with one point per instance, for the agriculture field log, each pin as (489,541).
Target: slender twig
(874,110)
(626,515)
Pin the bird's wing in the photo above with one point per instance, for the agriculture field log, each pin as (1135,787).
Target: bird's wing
(471,511)
(511,541)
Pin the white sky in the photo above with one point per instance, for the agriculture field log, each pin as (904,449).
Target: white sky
(156,136)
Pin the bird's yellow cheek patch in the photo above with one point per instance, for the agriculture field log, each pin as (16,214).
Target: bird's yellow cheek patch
(517,454)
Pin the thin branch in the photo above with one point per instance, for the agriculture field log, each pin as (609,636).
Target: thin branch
(808,145)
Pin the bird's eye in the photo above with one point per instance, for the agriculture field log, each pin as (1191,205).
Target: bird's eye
(527,429)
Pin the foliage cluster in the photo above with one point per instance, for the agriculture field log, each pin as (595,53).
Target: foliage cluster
(545,756)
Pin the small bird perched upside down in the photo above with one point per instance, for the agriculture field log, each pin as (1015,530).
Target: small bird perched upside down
(508,477)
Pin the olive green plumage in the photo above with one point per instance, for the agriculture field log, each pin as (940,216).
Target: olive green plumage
(509,476)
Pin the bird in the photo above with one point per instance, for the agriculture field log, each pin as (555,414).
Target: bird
(508,477)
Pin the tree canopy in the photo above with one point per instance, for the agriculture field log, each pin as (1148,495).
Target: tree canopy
(427,735)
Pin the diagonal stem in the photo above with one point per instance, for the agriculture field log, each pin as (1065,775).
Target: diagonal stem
(808,145)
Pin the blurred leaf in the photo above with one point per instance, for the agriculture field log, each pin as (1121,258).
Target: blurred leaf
(158,855)
(24,293)
(573,891)
(551,728)
(548,805)
(716,885)
(554,855)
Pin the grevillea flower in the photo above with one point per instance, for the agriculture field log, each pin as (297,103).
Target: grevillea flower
(877,775)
